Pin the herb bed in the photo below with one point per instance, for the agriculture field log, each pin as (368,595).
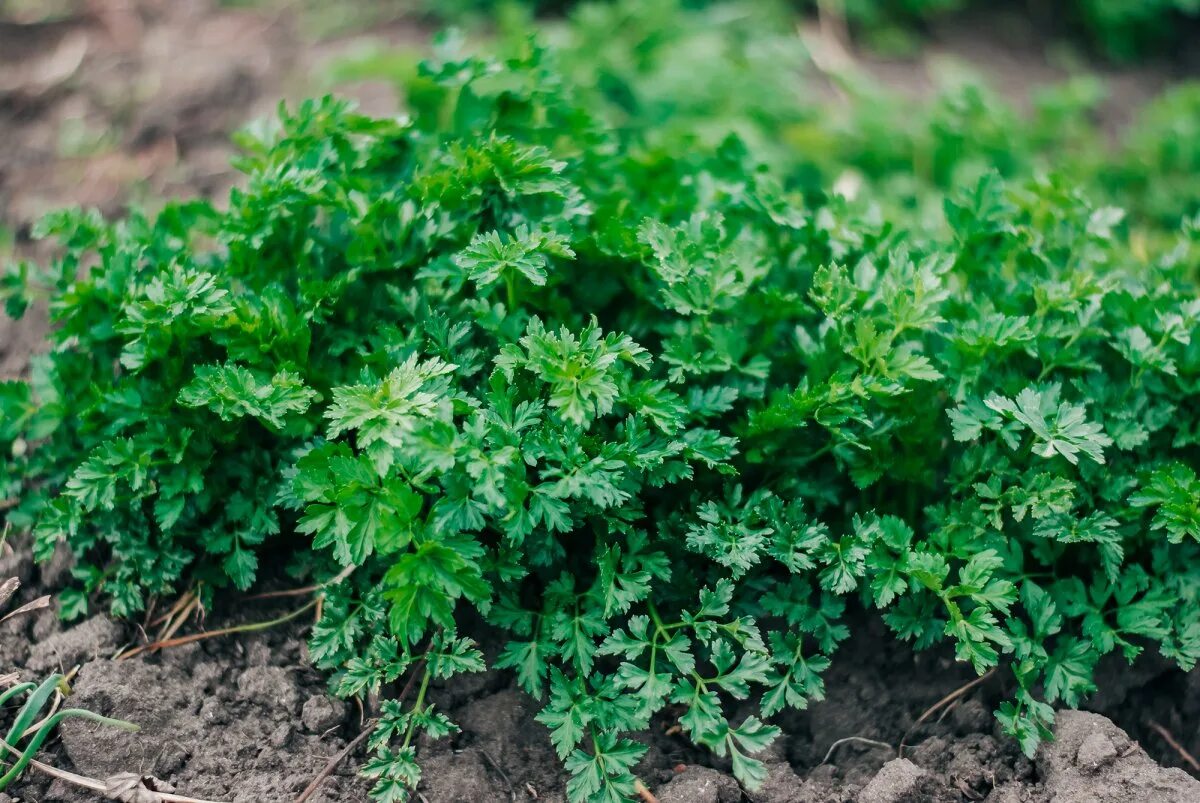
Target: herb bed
(650,420)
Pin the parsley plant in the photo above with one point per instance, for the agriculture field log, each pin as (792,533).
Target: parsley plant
(657,409)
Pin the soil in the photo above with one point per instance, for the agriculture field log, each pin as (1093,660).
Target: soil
(130,99)
(126,101)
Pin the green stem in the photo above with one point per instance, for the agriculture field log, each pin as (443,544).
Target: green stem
(246,628)
(1061,350)
(20,688)
(37,700)
(417,708)
(1141,371)
(659,628)
(819,453)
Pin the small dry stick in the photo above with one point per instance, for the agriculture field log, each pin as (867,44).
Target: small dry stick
(946,711)
(1169,739)
(645,794)
(332,764)
(300,592)
(29,607)
(8,588)
(225,631)
(151,609)
(860,739)
(949,698)
(507,783)
(180,603)
(172,625)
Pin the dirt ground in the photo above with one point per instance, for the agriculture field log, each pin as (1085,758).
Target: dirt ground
(130,99)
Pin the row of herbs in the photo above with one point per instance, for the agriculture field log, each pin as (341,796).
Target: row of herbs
(611,371)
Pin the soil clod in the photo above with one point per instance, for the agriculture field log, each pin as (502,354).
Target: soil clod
(1091,760)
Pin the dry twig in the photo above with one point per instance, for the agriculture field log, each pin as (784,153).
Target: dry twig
(949,698)
(183,601)
(332,764)
(507,783)
(859,739)
(172,625)
(225,631)
(645,794)
(1169,739)
(299,592)
(29,607)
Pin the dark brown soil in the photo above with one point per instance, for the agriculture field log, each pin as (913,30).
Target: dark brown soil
(122,100)
(130,100)
(135,98)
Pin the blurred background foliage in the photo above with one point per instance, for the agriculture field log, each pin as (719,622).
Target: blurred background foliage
(805,95)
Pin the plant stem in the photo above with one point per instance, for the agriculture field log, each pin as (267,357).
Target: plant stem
(37,699)
(225,631)
(659,628)
(418,706)
(299,592)
(20,688)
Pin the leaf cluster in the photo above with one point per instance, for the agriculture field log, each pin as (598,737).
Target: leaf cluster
(662,416)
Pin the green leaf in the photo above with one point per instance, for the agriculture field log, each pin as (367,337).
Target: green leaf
(492,257)
(1058,427)
(231,391)
(1173,491)
(580,372)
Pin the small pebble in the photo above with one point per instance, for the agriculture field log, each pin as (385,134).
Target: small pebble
(320,713)
(280,735)
(1096,750)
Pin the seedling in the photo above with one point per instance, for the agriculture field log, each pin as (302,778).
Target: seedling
(27,733)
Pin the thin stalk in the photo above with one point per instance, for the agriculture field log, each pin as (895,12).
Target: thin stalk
(418,706)
(331,765)
(20,688)
(510,286)
(36,702)
(299,592)
(225,631)
(659,627)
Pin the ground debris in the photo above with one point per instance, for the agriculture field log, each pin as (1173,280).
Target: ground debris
(1091,760)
